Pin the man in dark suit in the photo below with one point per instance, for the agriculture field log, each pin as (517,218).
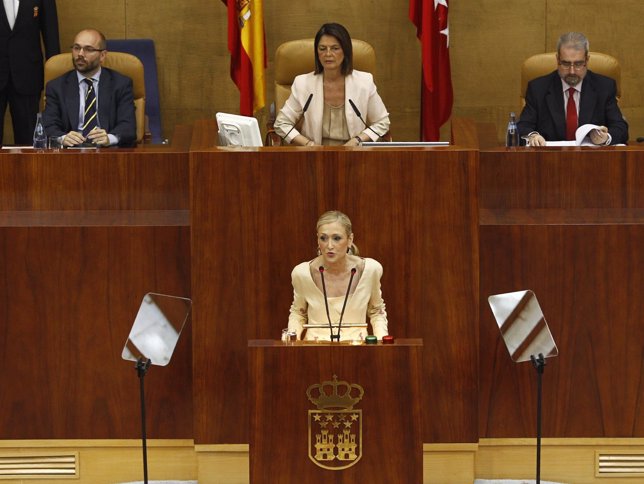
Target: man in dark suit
(90,105)
(21,61)
(571,96)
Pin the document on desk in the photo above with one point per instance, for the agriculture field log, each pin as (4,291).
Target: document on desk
(582,137)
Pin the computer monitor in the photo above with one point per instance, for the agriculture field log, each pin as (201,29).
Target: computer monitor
(235,130)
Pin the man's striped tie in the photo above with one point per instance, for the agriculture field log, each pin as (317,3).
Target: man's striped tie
(90,119)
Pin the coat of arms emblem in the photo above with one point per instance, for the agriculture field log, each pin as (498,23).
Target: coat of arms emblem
(335,427)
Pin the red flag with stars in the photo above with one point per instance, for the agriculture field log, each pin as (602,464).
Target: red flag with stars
(432,28)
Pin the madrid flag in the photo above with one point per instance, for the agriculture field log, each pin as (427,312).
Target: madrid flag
(247,46)
(430,19)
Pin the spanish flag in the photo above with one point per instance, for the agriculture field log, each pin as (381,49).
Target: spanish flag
(247,46)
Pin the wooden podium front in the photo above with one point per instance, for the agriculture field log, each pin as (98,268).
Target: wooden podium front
(336,413)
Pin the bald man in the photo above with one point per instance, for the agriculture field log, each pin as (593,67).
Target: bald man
(108,110)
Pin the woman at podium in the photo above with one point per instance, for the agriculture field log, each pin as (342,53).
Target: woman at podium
(336,292)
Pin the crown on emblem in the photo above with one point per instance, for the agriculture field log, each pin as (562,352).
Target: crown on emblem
(335,394)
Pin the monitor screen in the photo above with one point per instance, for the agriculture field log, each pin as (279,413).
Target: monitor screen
(235,130)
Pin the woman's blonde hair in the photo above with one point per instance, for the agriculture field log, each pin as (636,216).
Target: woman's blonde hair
(333,216)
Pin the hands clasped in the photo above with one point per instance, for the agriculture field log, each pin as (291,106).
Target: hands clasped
(98,137)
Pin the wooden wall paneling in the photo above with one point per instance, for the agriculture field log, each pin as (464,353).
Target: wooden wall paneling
(253,220)
(584,279)
(70,295)
(568,224)
(488,42)
(83,236)
(109,17)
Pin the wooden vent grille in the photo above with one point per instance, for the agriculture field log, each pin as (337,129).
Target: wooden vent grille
(64,466)
(620,464)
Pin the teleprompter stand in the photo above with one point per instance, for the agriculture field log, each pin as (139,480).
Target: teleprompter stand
(142,366)
(152,340)
(525,332)
(539,364)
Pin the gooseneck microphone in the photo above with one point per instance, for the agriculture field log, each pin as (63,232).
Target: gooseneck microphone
(326,304)
(335,337)
(355,110)
(306,106)
(344,304)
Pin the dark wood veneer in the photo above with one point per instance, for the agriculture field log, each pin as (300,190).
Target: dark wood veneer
(391,408)
(253,220)
(83,236)
(568,224)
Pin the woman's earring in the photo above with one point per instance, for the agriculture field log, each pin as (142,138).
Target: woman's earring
(319,251)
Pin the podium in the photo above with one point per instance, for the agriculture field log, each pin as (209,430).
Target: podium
(335,412)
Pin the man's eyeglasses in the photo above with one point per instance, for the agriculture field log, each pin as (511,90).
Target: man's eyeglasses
(575,65)
(88,49)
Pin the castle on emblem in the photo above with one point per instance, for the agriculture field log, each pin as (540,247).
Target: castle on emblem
(335,427)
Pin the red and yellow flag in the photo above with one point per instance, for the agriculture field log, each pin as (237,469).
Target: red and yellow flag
(247,46)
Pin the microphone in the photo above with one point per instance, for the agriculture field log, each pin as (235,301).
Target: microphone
(306,106)
(640,139)
(326,303)
(355,110)
(344,304)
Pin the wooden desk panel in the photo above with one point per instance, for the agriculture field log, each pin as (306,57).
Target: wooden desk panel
(146,179)
(83,236)
(253,220)
(562,178)
(568,224)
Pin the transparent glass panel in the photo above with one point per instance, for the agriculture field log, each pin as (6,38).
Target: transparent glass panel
(522,325)
(157,327)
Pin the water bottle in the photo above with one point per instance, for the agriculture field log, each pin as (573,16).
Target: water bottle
(512,135)
(40,138)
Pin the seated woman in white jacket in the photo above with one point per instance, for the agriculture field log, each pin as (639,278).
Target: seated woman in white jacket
(327,93)
(347,279)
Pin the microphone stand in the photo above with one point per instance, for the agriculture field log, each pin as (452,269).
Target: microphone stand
(326,304)
(344,304)
(355,110)
(539,364)
(142,365)
(306,106)
(335,337)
